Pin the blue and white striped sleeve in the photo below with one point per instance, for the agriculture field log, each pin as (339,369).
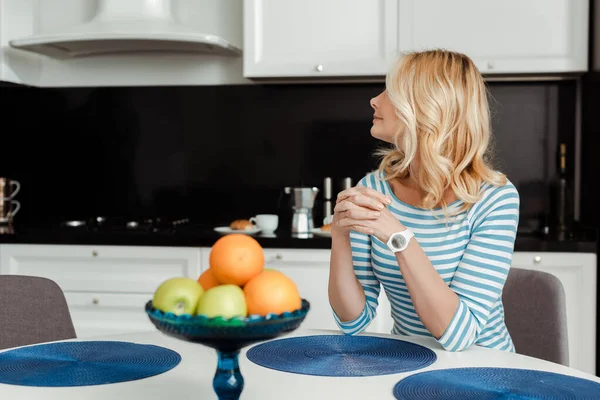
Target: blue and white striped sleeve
(482,272)
(361,260)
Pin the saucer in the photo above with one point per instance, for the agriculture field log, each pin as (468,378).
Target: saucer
(225,230)
(319,232)
(268,234)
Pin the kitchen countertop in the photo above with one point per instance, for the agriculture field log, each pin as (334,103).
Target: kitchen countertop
(206,238)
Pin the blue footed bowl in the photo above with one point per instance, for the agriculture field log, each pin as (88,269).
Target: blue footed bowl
(226,334)
(227,337)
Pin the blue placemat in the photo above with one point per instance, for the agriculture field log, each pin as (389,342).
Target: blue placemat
(81,363)
(341,355)
(494,383)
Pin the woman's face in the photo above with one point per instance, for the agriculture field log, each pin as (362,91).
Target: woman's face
(385,120)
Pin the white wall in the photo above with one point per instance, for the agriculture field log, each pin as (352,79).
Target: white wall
(21,18)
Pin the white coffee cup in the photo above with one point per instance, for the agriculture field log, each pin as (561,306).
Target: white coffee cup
(267,223)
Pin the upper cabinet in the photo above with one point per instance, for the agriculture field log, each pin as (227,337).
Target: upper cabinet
(311,38)
(502,37)
(279,39)
(361,38)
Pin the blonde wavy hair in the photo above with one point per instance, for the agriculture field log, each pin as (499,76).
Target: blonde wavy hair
(444,120)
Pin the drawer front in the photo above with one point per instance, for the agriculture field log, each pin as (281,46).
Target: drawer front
(290,257)
(298,257)
(107,302)
(103,268)
(97,313)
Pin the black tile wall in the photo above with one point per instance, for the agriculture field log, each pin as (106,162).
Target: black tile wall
(591,148)
(215,153)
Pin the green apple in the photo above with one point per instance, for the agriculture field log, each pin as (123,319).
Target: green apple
(178,295)
(226,301)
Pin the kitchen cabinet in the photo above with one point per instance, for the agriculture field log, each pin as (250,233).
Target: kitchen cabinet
(313,38)
(510,36)
(578,274)
(361,38)
(106,287)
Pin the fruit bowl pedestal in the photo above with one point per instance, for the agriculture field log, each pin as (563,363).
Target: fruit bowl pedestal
(227,337)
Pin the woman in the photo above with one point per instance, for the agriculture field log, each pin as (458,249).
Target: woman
(435,225)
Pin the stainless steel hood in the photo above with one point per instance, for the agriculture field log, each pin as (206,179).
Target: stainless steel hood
(126,27)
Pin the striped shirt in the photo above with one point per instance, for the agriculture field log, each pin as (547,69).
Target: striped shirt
(472,253)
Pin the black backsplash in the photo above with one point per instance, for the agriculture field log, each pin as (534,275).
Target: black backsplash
(214,153)
(590,150)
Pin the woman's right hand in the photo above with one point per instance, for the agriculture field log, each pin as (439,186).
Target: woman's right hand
(357,203)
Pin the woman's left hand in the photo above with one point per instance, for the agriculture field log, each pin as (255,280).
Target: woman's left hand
(386,225)
(382,227)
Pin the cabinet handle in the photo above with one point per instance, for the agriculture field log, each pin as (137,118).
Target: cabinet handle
(95,301)
(274,258)
(94,253)
(537,259)
(319,68)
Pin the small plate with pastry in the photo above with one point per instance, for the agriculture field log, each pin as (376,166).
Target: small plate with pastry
(325,231)
(239,226)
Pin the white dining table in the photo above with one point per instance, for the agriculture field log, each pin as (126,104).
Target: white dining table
(192,377)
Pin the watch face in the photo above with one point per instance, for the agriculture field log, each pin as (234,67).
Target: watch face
(398,241)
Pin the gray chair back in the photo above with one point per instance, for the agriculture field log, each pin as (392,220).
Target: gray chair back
(535,313)
(32,310)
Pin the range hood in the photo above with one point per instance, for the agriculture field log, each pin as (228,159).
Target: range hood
(126,26)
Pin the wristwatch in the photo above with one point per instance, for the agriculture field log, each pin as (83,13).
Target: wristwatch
(399,241)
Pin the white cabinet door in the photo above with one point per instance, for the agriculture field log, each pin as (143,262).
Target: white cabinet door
(577,272)
(311,38)
(509,36)
(121,269)
(106,286)
(96,314)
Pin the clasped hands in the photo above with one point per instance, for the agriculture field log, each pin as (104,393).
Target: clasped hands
(364,210)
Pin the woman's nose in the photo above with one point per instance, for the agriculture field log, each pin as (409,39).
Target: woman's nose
(373,103)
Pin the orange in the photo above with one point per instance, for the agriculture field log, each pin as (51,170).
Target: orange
(207,280)
(271,292)
(236,258)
